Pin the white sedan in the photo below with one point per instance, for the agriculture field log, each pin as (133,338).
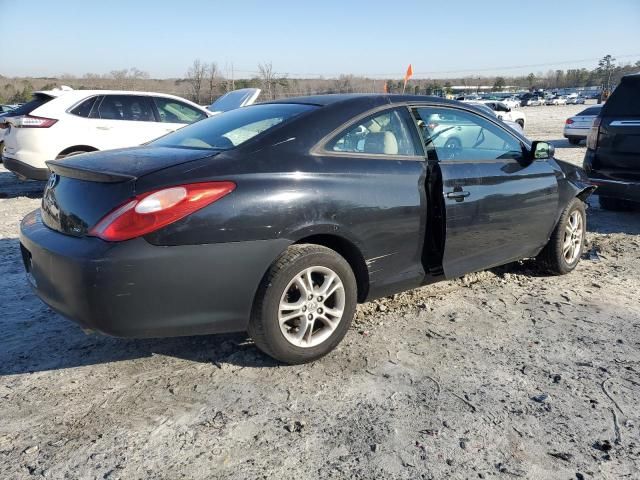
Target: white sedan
(504,112)
(577,128)
(557,100)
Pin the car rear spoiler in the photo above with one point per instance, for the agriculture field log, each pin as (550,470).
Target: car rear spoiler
(79,173)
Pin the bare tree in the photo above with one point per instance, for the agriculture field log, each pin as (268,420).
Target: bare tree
(135,75)
(344,84)
(268,79)
(195,77)
(212,80)
(120,77)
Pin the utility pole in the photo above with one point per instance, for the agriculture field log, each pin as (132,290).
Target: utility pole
(233,82)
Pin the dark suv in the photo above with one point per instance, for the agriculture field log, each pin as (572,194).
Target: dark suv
(613,148)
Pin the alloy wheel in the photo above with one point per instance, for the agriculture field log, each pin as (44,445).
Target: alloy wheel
(573,237)
(311,307)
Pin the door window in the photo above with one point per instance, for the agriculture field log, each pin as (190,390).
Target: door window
(174,111)
(386,133)
(450,134)
(126,107)
(84,109)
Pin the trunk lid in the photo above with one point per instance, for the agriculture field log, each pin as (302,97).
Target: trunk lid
(84,188)
(125,163)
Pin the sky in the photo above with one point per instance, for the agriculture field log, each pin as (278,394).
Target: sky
(310,39)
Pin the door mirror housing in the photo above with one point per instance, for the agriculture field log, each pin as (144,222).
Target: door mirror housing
(541,150)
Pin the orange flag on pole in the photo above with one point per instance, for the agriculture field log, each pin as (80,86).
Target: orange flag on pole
(407,76)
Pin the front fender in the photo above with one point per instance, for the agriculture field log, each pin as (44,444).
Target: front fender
(573,182)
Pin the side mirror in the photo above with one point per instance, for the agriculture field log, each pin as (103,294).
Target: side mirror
(542,150)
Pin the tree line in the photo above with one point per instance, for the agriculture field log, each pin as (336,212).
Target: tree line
(204,81)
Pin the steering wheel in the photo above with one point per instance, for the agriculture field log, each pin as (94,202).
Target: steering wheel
(452,148)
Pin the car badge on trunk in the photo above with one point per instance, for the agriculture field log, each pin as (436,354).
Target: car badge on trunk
(53,179)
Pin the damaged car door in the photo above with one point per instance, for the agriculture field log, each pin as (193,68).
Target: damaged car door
(499,206)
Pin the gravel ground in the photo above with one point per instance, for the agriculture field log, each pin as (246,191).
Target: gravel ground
(502,374)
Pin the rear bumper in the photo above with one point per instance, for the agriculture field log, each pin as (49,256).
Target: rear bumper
(611,184)
(135,289)
(576,132)
(24,169)
(621,189)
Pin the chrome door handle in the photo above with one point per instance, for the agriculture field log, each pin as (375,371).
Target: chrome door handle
(103,127)
(458,195)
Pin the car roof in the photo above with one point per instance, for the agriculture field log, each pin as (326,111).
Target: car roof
(75,95)
(369,98)
(631,78)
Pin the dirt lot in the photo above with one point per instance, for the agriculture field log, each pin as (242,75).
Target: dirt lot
(502,374)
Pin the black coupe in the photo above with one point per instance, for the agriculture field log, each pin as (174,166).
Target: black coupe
(278,218)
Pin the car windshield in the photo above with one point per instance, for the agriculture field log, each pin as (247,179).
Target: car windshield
(230,129)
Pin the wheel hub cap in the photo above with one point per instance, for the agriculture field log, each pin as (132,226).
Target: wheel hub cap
(311,307)
(573,238)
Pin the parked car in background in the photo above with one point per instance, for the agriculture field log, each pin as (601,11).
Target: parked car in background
(7,108)
(63,122)
(470,97)
(242,97)
(511,102)
(577,100)
(532,101)
(612,159)
(556,100)
(489,111)
(3,131)
(577,128)
(504,112)
(278,218)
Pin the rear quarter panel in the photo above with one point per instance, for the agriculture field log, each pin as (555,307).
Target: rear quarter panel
(377,205)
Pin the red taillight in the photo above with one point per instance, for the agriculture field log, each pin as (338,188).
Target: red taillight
(569,121)
(592,138)
(31,121)
(156,209)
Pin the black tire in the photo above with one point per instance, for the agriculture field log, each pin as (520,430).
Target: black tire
(264,326)
(617,205)
(574,140)
(552,257)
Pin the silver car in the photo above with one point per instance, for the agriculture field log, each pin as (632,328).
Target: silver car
(577,128)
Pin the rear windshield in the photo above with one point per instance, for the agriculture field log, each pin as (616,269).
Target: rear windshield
(230,129)
(624,101)
(38,100)
(595,111)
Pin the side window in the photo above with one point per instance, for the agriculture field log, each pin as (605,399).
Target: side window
(174,111)
(126,107)
(386,133)
(450,134)
(84,109)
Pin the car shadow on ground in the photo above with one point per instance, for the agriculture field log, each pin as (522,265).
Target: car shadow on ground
(34,338)
(607,221)
(564,143)
(69,347)
(12,187)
